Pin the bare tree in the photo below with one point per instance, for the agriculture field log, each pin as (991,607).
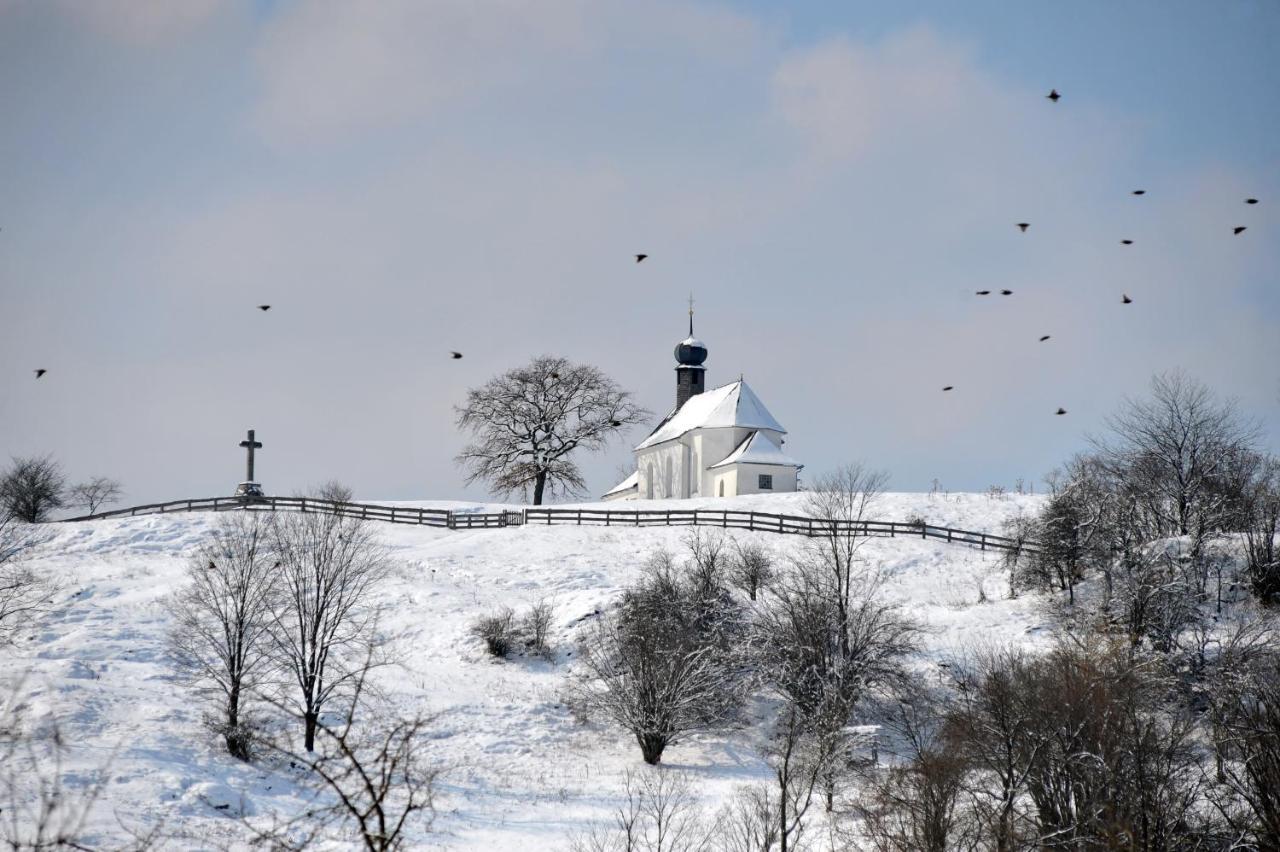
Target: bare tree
(749,821)
(1182,447)
(529,422)
(845,499)
(379,781)
(667,662)
(1080,748)
(1245,733)
(917,802)
(993,727)
(751,567)
(219,635)
(823,658)
(323,623)
(659,813)
(334,490)
(800,759)
(24,594)
(1262,526)
(31,489)
(95,493)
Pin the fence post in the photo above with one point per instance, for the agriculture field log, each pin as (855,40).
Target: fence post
(725,522)
(948,534)
(982,540)
(924,530)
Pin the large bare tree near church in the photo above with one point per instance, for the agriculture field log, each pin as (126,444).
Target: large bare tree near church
(528,423)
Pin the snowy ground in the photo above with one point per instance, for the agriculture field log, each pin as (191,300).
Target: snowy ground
(523,773)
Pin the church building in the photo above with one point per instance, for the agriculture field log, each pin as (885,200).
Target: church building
(715,443)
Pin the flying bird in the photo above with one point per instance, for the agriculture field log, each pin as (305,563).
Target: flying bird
(949,387)
(1061,411)
(640,257)
(40,372)
(1044,338)
(1126,242)
(1125,300)
(1022,226)
(1251,201)
(984,293)
(264,307)
(1053,95)
(1238,229)
(1006,292)
(455,355)
(1139,192)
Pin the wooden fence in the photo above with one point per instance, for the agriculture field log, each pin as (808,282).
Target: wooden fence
(444,518)
(365,511)
(772,523)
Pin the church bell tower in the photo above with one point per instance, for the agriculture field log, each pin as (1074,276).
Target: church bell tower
(690,374)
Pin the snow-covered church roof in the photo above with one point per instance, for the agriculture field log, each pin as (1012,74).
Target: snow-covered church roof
(631,483)
(758,448)
(728,406)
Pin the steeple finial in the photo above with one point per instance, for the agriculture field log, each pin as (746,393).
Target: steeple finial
(691,315)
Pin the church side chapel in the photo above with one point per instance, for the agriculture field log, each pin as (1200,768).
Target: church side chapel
(715,443)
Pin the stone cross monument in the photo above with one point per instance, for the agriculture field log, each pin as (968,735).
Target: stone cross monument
(250,487)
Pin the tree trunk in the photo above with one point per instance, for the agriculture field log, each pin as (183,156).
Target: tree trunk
(651,747)
(538,485)
(309,720)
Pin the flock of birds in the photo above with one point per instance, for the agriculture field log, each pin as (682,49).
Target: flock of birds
(1053,96)
(1125,299)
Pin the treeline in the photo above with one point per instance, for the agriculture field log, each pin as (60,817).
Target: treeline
(1152,722)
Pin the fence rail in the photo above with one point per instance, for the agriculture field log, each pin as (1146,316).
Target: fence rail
(365,511)
(773,523)
(726,519)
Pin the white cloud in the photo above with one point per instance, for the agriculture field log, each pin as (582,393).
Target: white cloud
(846,98)
(334,69)
(333,66)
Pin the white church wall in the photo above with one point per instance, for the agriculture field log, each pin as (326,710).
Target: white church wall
(716,444)
(724,482)
(678,469)
(783,478)
(663,471)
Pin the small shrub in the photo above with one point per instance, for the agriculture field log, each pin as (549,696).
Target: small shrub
(751,568)
(495,630)
(241,738)
(537,627)
(915,521)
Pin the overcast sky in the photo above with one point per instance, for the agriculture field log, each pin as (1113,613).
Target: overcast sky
(832,181)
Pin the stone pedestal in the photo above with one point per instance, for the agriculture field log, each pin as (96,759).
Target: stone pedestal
(249,489)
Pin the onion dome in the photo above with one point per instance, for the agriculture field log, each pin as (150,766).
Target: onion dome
(691,352)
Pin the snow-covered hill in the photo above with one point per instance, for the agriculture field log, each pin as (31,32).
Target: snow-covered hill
(522,772)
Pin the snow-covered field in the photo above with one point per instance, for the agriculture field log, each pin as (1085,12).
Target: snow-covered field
(522,772)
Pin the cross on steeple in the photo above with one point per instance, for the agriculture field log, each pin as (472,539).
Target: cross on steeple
(691,315)
(250,445)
